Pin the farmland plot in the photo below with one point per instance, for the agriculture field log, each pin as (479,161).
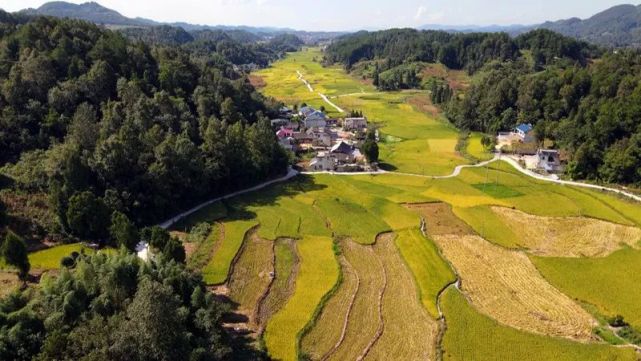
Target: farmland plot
(330,327)
(473,336)
(317,275)
(403,315)
(568,236)
(251,276)
(506,286)
(285,271)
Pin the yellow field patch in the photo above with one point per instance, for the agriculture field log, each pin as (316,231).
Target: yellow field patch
(568,236)
(506,286)
(403,314)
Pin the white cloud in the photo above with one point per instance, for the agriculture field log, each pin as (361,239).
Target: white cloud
(420,12)
(423,14)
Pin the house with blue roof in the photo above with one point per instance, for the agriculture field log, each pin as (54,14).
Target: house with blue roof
(525,132)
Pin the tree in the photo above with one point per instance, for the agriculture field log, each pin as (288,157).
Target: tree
(88,216)
(123,231)
(14,251)
(370,150)
(154,329)
(174,250)
(156,237)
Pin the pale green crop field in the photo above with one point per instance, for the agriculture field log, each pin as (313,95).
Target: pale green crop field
(472,336)
(611,284)
(317,275)
(416,142)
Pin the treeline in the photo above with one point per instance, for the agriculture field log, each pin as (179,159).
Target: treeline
(236,46)
(592,112)
(93,119)
(117,308)
(395,51)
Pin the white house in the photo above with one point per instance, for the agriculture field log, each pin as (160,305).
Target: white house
(321,137)
(549,160)
(323,162)
(345,153)
(355,124)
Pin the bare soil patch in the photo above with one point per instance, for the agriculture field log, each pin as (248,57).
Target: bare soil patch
(440,220)
(257,81)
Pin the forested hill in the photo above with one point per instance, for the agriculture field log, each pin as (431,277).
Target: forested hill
(456,51)
(102,124)
(619,26)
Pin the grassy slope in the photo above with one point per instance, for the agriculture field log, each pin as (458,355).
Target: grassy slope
(318,274)
(472,336)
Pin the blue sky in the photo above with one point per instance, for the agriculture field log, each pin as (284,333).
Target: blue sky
(347,14)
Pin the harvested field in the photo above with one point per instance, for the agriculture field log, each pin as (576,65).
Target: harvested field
(506,286)
(364,318)
(439,219)
(403,314)
(285,271)
(331,326)
(252,276)
(568,236)
(473,336)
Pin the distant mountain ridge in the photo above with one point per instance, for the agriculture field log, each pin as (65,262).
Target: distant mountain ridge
(618,26)
(96,13)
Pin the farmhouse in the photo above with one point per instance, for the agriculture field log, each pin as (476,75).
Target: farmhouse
(525,132)
(284,133)
(549,160)
(323,162)
(305,111)
(288,143)
(345,153)
(317,119)
(355,124)
(321,137)
(280,122)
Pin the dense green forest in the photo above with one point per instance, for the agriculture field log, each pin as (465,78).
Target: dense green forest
(592,112)
(117,308)
(102,123)
(396,51)
(580,97)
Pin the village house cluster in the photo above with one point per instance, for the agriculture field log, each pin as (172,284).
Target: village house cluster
(325,144)
(521,142)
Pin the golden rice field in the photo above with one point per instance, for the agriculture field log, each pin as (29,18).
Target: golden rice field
(568,236)
(506,286)
(251,276)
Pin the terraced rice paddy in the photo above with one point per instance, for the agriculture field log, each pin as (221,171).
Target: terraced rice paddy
(366,259)
(569,236)
(252,276)
(610,284)
(286,265)
(217,270)
(473,336)
(506,286)
(317,274)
